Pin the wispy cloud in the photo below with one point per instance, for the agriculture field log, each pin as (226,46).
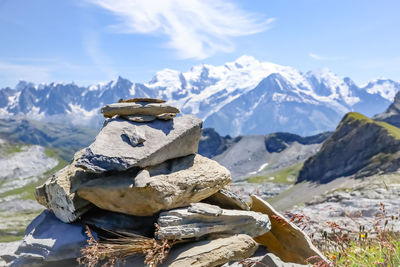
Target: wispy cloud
(321,58)
(195,28)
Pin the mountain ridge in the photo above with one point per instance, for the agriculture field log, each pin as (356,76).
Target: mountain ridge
(245,96)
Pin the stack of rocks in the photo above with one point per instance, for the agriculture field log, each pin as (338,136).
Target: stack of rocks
(143,169)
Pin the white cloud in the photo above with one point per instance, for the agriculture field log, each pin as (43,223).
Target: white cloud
(195,28)
(316,57)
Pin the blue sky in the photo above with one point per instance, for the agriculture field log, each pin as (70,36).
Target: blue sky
(87,41)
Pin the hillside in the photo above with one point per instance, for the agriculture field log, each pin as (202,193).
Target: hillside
(392,114)
(65,139)
(244,97)
(254,155)
(360,146)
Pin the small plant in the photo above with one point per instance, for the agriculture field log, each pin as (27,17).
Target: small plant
(109,251)
(377,247)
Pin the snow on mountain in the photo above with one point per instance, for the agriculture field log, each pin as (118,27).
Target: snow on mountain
(241,97)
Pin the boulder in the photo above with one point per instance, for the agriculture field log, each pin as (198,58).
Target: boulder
(49,241)
(227,200)
(113,151)
(285,240)
(58,193)
(172,184)
(211,253)
(137,108)
(201,219)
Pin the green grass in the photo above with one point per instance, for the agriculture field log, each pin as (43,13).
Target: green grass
(392,130)
(287,175)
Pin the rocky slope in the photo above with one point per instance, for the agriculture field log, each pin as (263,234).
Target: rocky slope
(360,146)
(238,98)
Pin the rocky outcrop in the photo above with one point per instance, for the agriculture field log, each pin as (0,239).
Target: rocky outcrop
(212,253)
(360,146)
(172,184)
(113,149)
(201,219)
(285,240)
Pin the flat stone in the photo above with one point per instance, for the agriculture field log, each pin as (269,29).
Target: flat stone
(172,184)
(227,200)
(211,253)
(137,108)
(201,219)
(58,193)
(50,241)
(164,140)
(142,99)
(139,118)
(166,116)
(285,240)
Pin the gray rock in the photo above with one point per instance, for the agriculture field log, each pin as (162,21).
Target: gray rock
(137,108)
(227,200)
(164,140)
(58,193)
(49,241)
(211,253)
(172,184)
(201,219)
(139,118)
(166,116)
(134,135)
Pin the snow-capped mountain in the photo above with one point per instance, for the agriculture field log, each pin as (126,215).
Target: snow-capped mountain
(241,97)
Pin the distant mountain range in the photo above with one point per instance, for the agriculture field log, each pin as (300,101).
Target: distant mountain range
(238,98)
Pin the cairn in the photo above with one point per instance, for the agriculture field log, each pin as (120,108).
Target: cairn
(142,180)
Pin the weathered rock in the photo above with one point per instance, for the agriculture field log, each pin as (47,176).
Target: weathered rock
(137,108)
(165,140)
(227,200)
(58,192)
(48,240)
(142,99)
(172,184)
(201,219)
(139,118)
(212,252)
(285,239)
(166,116)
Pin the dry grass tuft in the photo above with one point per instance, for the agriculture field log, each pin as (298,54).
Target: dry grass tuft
(109,251)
